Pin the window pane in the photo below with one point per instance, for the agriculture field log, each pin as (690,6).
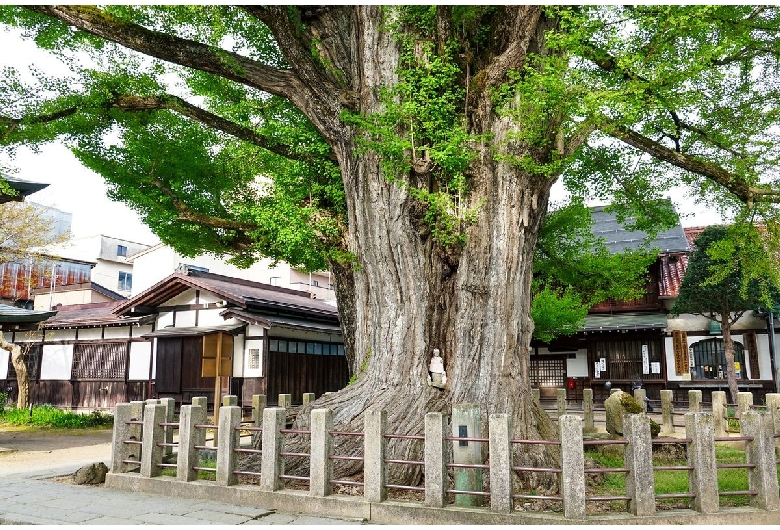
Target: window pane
(273,345)
(283,346)
(310,348)
(317,348)
(341,350)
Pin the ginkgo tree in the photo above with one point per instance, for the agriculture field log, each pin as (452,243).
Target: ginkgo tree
(412,150)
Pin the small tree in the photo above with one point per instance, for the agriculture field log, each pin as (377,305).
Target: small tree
(729,273)
(23,229)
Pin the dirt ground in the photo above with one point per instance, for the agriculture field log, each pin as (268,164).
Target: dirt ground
(32,450)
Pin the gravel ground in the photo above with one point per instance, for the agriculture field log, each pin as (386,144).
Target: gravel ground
(38,449)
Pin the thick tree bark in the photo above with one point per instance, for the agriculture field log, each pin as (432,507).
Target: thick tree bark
(411,295)
(22,376)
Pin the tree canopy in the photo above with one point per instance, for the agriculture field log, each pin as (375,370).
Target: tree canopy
(198,119)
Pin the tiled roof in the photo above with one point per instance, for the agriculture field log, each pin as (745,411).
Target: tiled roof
(106,292)
(244,294)
(671,272)
(92,315)
(618,238)
(691,233)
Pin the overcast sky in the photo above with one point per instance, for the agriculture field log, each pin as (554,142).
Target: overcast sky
(79,191)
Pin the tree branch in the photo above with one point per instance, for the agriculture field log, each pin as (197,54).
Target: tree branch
(733,183)
(179,51)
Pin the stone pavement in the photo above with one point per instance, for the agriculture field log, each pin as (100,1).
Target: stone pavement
(33,498)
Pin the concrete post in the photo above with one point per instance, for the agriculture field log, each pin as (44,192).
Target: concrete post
(170,410)
(189,438)
(500,428)
(719,414)
(667,413)
(272,464)
(587,407)
(560,400)
(536,395)
(285,401)
(202,401)
(773,409)
(229,400)
(761,452)
(701,456)
(374,467)
(694,401)
(122,432)
(466,424)
(640,394)
(229,438)
(321,450)
(744,402)
(258,406)
(436,478)
(151,452)
(308,397)
(639,459)
(572,478)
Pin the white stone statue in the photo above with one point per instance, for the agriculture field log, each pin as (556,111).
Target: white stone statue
(436,375)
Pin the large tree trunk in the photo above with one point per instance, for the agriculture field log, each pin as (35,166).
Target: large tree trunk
(412,295)
(22,376)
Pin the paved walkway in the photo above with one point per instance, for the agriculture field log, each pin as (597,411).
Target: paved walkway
(33,498)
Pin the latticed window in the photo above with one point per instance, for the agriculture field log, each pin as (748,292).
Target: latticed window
(100,360)
(627,360)
(547,372)
(254,358)
(32,360)
(708,359)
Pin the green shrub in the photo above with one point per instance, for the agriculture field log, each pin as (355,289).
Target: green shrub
(48,416)
(3,402)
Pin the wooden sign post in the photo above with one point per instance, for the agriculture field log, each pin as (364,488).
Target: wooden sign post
(217,363)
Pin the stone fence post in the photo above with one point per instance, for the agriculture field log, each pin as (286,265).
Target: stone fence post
(500,429)
(719,413)
(560,400)
(744,402)
(572,479)
(285,401)
(153,435)
(170,410)
(436,477)
(667,412)
(589,424)
(189,438)
(308,397)
(258,406)
(694,401)
(773,408)
(761,452)
(640,394)
(228,439)
(374,468)
(123,432)
(701,456)
(272,465)
(639,459)
(321,450)
(466,423)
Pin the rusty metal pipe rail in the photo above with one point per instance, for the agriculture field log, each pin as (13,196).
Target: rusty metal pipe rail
(245,450)
(466,492)
(405,436)
(346,482)
(537,497)
(409,488)
(410,462)
(131,462)
(250,473)
(301,455)
(535,442)
(607,498)
(675,496)
(457,439)
(294,477)
(537,469)
(199,468)
(467,466)
(294,431)
(339,457)
(345,433)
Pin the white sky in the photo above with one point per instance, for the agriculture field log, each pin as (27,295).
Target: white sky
(77,190)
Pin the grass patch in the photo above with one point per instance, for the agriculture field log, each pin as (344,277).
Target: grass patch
(48,416)
(202,475)
(676,481)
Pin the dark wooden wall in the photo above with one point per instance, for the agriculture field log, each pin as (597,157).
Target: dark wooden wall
(80,394)
(296,374)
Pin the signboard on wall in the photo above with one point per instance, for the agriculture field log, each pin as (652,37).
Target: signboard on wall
(597,370)
(645,360)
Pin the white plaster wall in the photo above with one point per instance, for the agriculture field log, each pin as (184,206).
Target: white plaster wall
(238,356)
(121,332)
(106,273)
(60,334)
(185,319)
(57,361)
(764,360)
(304,335)
(141,330)
(140,355)
(4,358)
(88,334)
(154,358)
(254,343)
(578,367)
(164,319)
(185,298)
(254,330)
(210,317)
